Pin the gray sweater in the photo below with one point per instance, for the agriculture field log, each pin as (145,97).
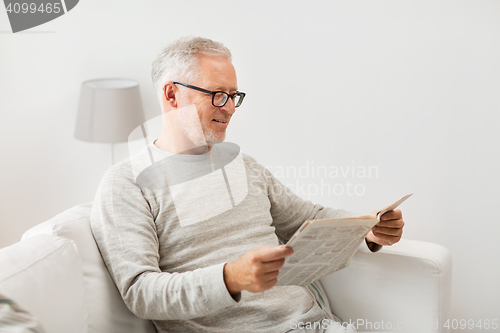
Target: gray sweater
(166,224)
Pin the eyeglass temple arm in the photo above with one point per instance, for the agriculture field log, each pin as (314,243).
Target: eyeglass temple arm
(195,88)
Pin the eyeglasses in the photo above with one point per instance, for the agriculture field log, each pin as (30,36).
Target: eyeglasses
(219,98)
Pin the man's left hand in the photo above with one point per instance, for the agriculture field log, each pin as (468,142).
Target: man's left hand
(389,230)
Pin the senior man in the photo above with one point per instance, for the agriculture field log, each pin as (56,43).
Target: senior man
(180,252)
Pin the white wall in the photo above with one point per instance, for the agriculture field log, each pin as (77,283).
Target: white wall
(409,88)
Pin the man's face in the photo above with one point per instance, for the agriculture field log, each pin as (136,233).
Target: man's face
(216,74)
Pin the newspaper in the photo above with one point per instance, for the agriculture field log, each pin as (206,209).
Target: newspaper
(322,247)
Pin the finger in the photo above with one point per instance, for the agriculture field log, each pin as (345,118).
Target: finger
(269,284)
(271,266)
(392,215)
(258,288)
(273,253)
(383,239)
(386,239)
(263,278)
(386,231)
(276,253)
(391,224)
(270,276)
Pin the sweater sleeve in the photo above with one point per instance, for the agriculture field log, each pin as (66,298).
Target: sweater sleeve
(288,210)
(124,229)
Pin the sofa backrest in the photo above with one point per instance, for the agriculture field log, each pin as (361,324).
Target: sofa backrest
(43,275)
(106,310)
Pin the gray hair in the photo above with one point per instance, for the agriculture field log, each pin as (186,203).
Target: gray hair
(178,61)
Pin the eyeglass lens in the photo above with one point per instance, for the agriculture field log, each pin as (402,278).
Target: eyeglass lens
(221,98)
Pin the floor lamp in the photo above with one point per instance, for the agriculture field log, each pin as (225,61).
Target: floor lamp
(108,111)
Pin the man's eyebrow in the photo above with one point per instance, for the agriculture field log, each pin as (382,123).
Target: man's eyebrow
(220,88)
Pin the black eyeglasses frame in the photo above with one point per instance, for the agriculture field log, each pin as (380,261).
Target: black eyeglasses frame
(213,93)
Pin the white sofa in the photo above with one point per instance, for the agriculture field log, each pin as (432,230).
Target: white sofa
(56,273)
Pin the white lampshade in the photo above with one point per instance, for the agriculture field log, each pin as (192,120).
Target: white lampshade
(109,110)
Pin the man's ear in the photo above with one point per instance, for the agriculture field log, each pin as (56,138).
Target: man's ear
(169,90)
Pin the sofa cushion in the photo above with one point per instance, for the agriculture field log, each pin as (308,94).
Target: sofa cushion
(107,311)
(44,276)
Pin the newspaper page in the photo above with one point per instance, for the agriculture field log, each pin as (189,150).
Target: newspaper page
(322,247)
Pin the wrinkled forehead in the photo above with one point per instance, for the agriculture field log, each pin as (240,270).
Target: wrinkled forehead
(216,73)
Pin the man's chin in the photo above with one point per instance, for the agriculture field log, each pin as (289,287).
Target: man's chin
(215,141)
(213,138)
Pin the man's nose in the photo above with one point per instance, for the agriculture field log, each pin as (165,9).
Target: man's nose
(229,106)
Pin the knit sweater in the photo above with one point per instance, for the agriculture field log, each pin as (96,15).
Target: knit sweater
(166,224)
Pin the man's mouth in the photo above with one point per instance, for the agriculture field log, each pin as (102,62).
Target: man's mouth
(220,121)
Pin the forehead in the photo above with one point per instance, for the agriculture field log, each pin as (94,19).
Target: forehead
(217,73)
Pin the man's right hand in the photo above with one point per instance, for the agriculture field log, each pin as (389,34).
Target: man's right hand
(257,270)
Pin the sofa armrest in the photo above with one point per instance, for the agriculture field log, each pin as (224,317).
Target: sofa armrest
(406,286)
